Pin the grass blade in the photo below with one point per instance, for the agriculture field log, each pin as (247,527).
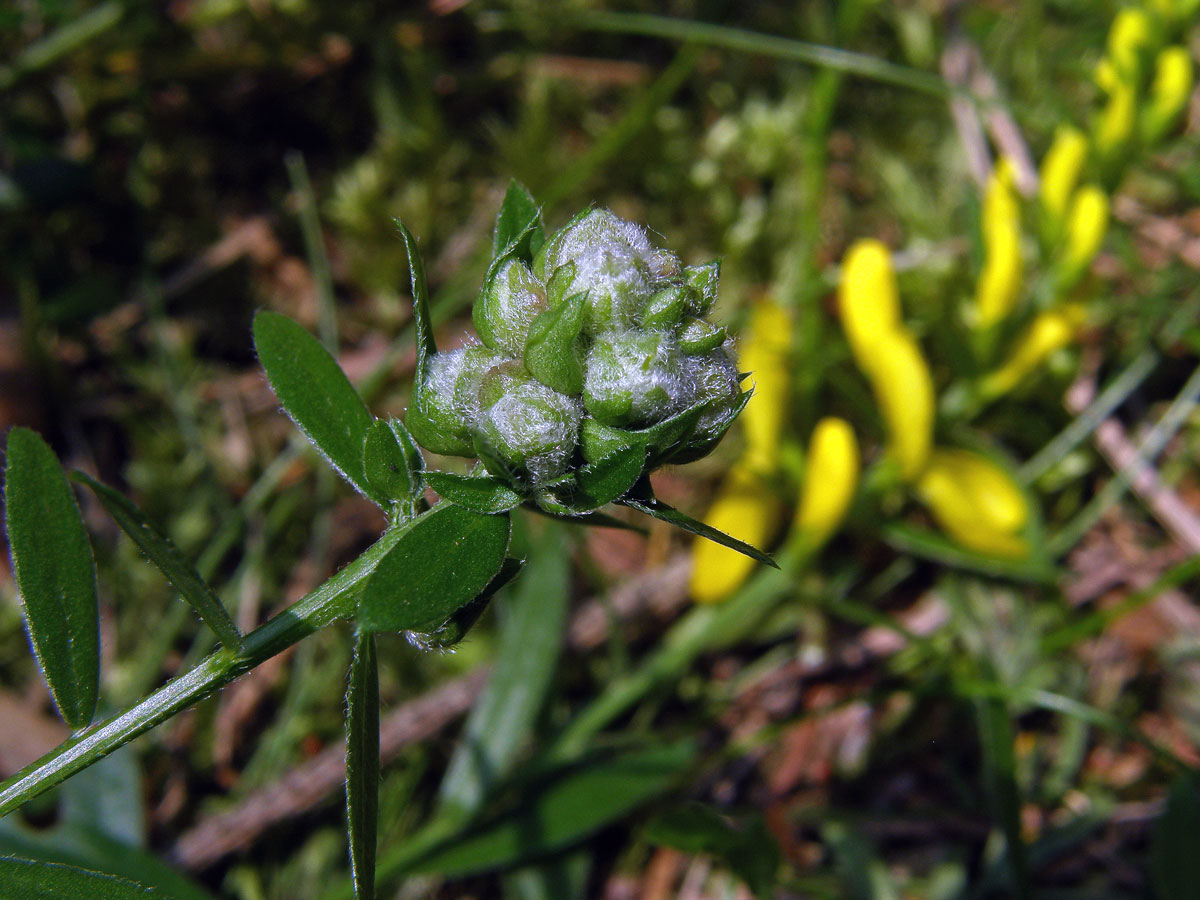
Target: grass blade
(362,764)
(166,556)
(315,392)
(25,879)
(55,574)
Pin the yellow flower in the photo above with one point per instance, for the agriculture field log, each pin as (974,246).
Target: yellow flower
(1129,39)
(1086,225)
(764,353)
(1049,331)
(1169,93)
(746,508)
(830,479)
(904,392)
(975,502)
(1115,126)
(1060,173)
(868,298)
(1000,281)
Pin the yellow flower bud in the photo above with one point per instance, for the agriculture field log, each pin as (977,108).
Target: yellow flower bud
(746,508)
(1060,173)
(1115,126)
(1086,225)
(1000,281)
(830,479)
(1169,93)
(904,392)
(1050,331)
(868,298)
(975,502)
(764,353)
(1129,38)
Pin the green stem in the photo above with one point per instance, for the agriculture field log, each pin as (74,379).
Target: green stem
(334,599)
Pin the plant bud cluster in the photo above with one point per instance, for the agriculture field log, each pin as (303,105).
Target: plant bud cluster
(593,343)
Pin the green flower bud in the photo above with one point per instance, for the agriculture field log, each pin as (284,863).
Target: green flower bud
(665,308)
(447,402)
(704,279)
(614,263)
(530,429)
(697,336)
(635,378)
(717,383)
(509,302)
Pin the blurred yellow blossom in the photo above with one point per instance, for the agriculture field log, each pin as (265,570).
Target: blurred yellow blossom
(1000,281)
(830,479)
(1115,125)
(904,392)
(1087,222)
(1129,39)
(764,353)
(1169,93)
(868,298)
(975,502)
(1049,331)
(749,510)
(1060,173)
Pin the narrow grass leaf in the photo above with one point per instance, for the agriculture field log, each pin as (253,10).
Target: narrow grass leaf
(443,561)
(55,574)
(999,772)
(1174,863)
(26,879)
(315,392)
(656,509)
(479,494)
(929,545)
(558,812)
(517,212)
(747,846)
(166,556)
(362,764)
(530,644)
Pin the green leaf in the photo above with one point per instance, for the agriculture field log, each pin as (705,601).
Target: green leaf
(362,765)
(25,879)
(530,642)
(315,393)
(517,214)
(166,556)
(1174,863)
(930,545)
(645,502)
(551,352)
(479,494)
(612,477)
(426,345)
(55,574)
(392,463)
(748,847)
(457,626)
(559,811)
(441,562)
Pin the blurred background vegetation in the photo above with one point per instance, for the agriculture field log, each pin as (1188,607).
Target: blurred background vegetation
(901,717)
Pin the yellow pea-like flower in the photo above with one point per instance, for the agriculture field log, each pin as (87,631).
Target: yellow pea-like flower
(830,479)
(749,510)
(1086,225)
(1048,332)
(1115,125)
(903,388)
(975,502)
(764,353)
(1169,93)
(868,298)
(1000,281)
(1060,173)
(1129,37)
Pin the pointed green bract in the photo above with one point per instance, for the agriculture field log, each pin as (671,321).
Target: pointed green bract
(519,223)
(362,765)
(604,481)
(426,345)
(55,574)
(315,393)
(166,557)
(392,464)
(477,493)
(441,562)
(552,352)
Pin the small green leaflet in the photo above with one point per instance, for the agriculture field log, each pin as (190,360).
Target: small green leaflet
(164,554)
(517,214)
(362,765)
(392,463)
(315,392)
(444,560)
(25,879)
(607,479)
(481,494)
(55,574)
